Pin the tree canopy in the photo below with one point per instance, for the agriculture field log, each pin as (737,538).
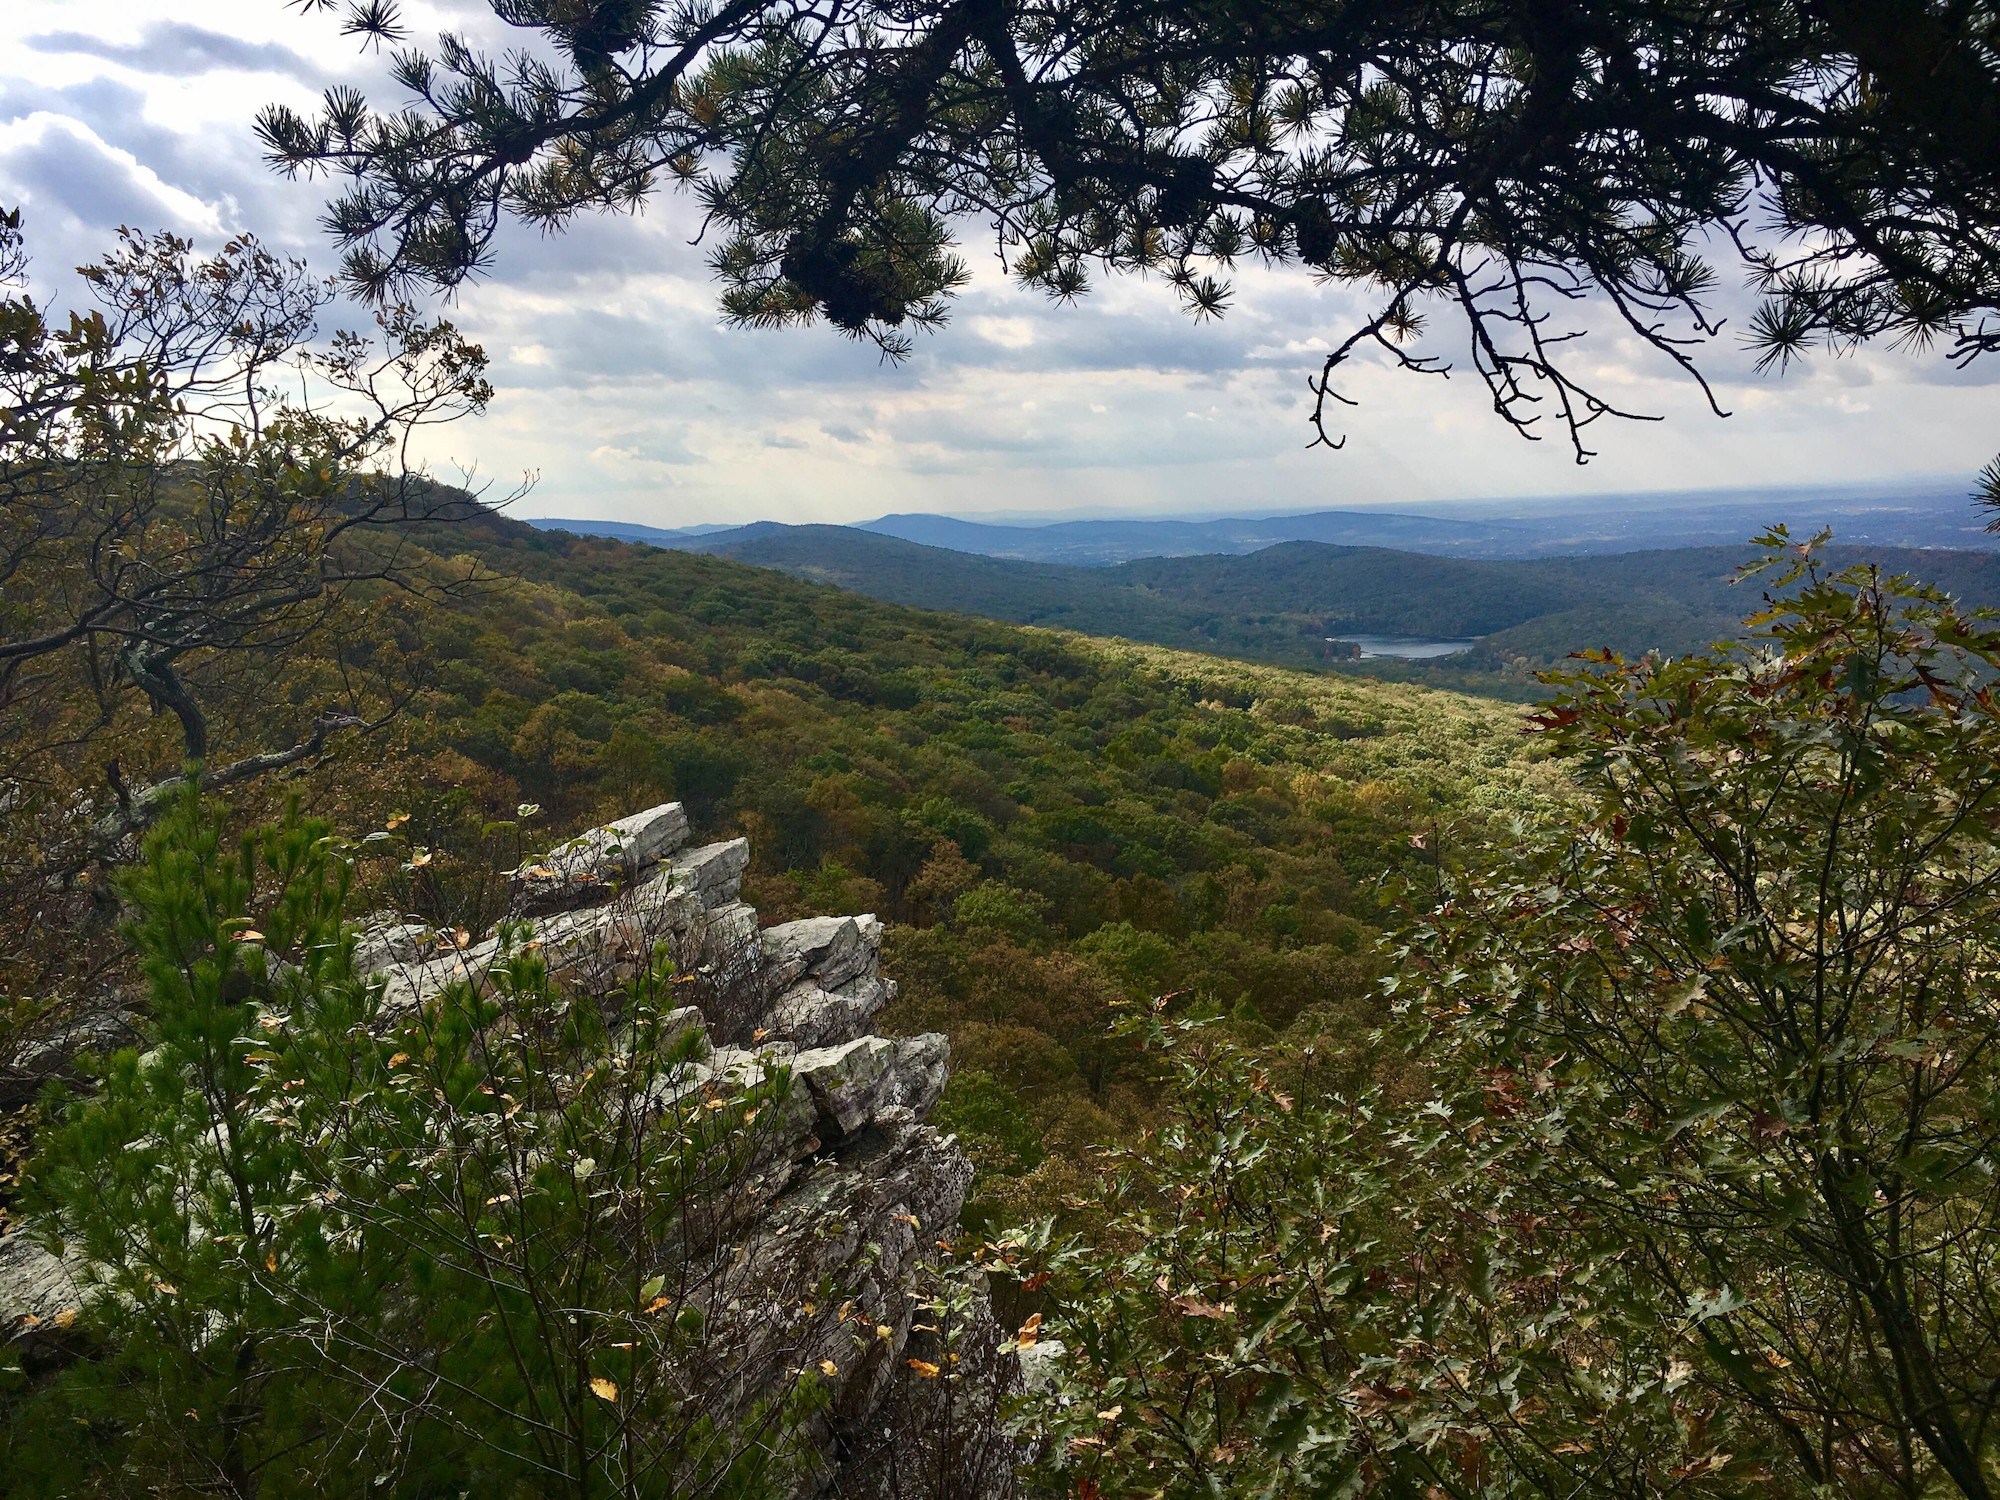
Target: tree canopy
(1526,167)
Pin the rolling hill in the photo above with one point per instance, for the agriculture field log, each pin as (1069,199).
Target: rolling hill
(1297,603)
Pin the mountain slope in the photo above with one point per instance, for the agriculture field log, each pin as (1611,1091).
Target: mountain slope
(1293,603)
(1054,826)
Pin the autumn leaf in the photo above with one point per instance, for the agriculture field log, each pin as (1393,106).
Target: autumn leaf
(1030,1333)
(603,1389)
(924,1368)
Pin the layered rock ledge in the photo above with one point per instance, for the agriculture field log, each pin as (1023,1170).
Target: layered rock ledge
(849,1189)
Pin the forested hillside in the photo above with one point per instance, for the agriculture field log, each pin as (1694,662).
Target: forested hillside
(1055,826)
(1291,603)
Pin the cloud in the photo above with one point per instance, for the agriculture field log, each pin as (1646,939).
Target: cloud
(56,163)
(177,50)
(618,383)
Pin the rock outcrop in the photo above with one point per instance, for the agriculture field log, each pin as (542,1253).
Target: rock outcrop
(851,1191)
(823,1260)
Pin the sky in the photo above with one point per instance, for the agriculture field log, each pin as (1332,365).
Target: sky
(620,392)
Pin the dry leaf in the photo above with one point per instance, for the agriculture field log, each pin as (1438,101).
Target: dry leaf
(1190,1306)
(828,1367)
(603,1389)
(1030,1332)
(924,1368)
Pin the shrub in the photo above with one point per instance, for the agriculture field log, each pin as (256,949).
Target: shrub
(1695,1194)
(491,1242)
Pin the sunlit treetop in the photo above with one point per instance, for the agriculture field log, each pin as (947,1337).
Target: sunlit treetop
(1526,168)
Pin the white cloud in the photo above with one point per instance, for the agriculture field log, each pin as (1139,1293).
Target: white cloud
(617,384)
(59,164)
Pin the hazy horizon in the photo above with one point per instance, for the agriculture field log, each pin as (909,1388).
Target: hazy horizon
(1941,487)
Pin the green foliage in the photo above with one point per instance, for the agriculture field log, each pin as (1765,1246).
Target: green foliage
(1004,792)
(1005,909)
(1689,1190)
(333,1249)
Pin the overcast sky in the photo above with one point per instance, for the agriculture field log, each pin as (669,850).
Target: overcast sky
(620,390)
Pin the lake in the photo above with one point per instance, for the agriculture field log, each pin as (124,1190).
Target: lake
(1409,647)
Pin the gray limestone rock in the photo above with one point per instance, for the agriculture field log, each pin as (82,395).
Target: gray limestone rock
(39,1299)
(808,1016)
(832,950)
(54,1041)
(714,871)
(386,939)
(857,1081)
(407,986)
(819,1244)
(595,862)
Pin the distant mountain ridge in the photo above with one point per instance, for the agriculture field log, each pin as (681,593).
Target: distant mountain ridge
(1938,516)
(1102,543)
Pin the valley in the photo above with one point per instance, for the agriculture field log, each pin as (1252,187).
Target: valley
(1304,603)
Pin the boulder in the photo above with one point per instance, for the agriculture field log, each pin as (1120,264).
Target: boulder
(55,1040)
(832,950)
(385,940)
(39,1300)
(808,1016)
(854,1083)
(599,861)
(406,986)
(714,871)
